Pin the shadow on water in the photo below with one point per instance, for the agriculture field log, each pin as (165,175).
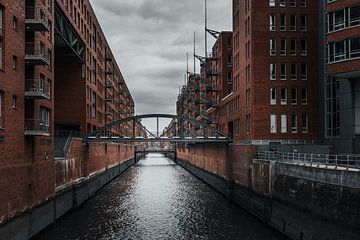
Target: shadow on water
(157,199)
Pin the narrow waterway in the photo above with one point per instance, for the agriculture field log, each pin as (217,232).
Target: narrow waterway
(157,199)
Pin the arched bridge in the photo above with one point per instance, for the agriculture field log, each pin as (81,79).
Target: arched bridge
(181,129)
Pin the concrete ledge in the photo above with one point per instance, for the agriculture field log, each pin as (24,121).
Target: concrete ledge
(324,175)
(37,219)
(285,219)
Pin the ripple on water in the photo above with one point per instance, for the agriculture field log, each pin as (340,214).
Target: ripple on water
(157,199)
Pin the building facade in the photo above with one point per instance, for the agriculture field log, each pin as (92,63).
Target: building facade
(340,21)
(57,74)
(275,71)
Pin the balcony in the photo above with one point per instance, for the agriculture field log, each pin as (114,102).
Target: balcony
(108,84)
(109,72)
(36,20)
(35,54)
(212,73)
(35,127)
(36,88)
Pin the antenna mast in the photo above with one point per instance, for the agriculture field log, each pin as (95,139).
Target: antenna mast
(206,29)
(194,53)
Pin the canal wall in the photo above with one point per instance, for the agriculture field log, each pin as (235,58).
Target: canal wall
(77,177)
(301,202)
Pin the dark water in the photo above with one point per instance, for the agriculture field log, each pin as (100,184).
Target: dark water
(157,199)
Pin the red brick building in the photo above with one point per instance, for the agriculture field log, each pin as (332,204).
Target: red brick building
(201,97)
(57,73)
(341,101)
(275,72)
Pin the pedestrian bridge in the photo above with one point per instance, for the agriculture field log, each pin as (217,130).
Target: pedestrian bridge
(181,129)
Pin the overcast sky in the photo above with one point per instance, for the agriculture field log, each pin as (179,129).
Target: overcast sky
(150,38)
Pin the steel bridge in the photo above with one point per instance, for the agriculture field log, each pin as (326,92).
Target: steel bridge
(181,129)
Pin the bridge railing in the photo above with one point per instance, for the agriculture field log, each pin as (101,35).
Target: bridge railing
(342,162)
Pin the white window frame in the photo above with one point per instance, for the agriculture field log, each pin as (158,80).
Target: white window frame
(272,22)
(272,67)
(272,43)
(283,101)
(305,101)
(273,125)
(294,125)
(283,43)
(272,95)
(293,76)
(294,100)
(283,74)
(283,123)
(305,128)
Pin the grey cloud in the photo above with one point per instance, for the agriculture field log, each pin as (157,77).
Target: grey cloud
(150,39)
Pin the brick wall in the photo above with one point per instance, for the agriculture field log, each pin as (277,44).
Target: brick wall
(101,157)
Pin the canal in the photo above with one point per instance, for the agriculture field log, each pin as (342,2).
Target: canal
(157,199)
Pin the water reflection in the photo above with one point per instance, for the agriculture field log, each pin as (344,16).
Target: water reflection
(157,199)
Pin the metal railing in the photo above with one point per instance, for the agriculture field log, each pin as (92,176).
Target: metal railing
(345,161)
(36,13)
(36,50)
(37,87)
(36,126)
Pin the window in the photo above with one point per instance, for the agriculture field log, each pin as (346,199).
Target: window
(303,22)
(282,22)
(292,3)
(343,50)
(48,87)
(272,96)
(44,119)
(93,79)
(14,62)
(14,102)
(1,109)
(248,123)
(272,22)
(294,123)
(294,96)
(283,47)
(1,54)
(354,16)
(272,47)
(273,123)
(305,123)
(15,23)
(271,3)
(93,105)
(49,57)
(293,47)
(282,3)
(304,96)
(1,20)
(293,71)
(302,3)
(293,22)
(283,71)
(283,123)
(272,71)
(303,47)
(354,47)
(304,71)
(283,100)
(332,118)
